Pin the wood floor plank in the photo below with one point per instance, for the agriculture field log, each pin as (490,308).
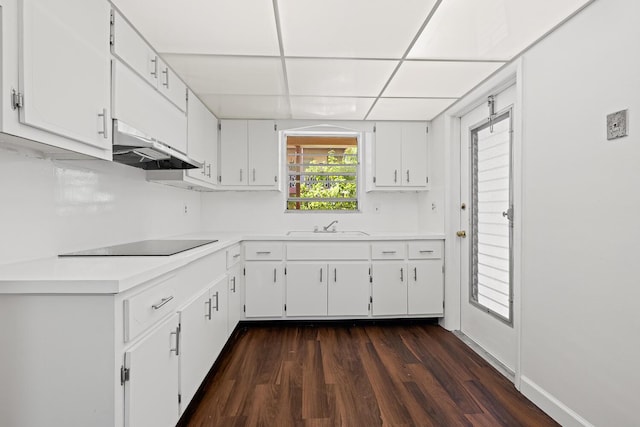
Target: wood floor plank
(356,376)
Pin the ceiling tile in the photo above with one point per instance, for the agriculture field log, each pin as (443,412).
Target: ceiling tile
(489,29)
(247,107)
(438,79)
(335,108)
(338,77)
(207,74)
(353,28)
(244,27)
(409,108)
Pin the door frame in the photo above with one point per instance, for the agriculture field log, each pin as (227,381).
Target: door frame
(506,76)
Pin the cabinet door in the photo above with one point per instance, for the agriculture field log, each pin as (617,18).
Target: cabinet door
(233,152)
(348,289)
(263,289)
(131,48)
(306,289)
(151,394)
(389,288)
(64,69)
(388,158)
(219,317)
(426,287)
(170,85)
(263,153)
(414,154)
(234,312)
(202,136)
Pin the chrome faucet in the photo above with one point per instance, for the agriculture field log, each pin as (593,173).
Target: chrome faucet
(330,224)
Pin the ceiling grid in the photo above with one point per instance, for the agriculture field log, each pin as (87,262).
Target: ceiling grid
(337,60)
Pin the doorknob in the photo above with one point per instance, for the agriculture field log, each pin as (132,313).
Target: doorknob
(461,233)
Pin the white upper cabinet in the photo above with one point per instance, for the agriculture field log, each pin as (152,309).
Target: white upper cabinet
(60,83)
(400,157)
(249,154)
(202,138)
(132,49)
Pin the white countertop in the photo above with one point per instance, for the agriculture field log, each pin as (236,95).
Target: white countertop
(112,275)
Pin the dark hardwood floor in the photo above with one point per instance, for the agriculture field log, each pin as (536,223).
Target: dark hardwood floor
(364,375)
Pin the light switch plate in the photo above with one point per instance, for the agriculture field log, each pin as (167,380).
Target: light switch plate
(617,125)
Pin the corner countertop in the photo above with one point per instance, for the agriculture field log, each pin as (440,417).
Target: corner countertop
(113,275)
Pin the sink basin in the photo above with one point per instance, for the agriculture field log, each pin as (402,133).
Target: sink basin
(326,233)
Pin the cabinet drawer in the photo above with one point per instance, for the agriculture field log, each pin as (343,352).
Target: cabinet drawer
(388,250)
(142,310)
(425,250)
(233,255)
(256,251)
(327,251)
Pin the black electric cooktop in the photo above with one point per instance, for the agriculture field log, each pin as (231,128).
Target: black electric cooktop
(143,248)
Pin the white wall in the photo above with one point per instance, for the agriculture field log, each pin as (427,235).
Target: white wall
(264,212)
(580,323)
(50,207)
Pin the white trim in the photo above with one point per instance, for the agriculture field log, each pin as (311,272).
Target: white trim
(551,405)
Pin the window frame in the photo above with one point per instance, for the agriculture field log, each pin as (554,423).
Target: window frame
(317,132)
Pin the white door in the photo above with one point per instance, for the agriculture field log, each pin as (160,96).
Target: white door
(151,393)
(197,347)
(233,152)
(389,288)
(348,293)
(202,135)
(263,289)
(64,69)
(306,289)
(219,317)
(486,261)
(263,153)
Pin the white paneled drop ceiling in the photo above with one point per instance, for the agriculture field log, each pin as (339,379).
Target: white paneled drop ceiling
(340,59)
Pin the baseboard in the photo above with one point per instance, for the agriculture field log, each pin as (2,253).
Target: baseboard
(551,405)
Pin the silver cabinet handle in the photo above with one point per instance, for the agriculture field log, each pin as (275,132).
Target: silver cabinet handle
(166,77)
(395,175)
(237,255)
(407,175)
(388,252)
(254,174)
(240,175)
(402,274)
(105,127)
(217,307)
(415,274)
(208,313)
(335,274)
(320,275)
(263,252)
(209,170)
(274,275)
(177,334)
(162,302)
(426,251)
(154,73)
(204,167)
(233,280)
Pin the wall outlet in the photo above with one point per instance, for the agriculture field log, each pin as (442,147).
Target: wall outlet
(617,125)
(186,209)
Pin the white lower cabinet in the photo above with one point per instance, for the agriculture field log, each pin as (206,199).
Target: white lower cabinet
(234,283)
(348,293)
(306,293)
(203,333)
(264,284)
(425,287)
(150,393)
(389,288)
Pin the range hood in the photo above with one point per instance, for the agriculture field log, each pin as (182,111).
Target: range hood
(134,148)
